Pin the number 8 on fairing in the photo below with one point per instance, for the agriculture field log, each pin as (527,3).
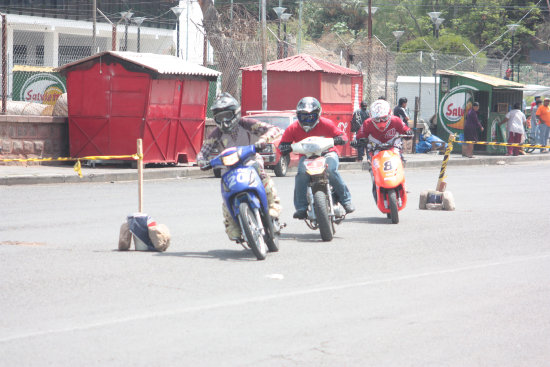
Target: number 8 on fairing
(387,166)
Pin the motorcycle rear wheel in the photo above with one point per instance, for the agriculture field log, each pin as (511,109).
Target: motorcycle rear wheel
(252,231)
(394,211)
(320,205)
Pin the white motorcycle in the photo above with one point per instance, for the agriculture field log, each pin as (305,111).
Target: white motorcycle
(324,211)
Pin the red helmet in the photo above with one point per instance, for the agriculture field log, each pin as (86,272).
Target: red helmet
(380,112)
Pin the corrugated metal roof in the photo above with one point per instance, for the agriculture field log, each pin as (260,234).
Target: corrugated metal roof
(303,62)
(487,79)
(160,64)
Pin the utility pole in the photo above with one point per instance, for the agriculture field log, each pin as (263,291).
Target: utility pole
(264,57)
(94,43)
(300,27)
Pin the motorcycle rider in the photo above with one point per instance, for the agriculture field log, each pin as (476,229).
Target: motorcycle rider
(310,123)
(234,130)
(382,127)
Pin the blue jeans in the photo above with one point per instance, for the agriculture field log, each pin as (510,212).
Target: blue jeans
(544,130)
(302,181)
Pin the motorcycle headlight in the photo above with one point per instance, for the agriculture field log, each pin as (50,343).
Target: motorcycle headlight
(230,159)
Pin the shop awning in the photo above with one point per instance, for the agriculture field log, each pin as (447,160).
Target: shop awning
(483,78)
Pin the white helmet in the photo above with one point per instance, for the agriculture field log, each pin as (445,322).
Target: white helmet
(380,113)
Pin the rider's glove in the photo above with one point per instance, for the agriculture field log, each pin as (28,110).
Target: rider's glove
(260,145)
(410,133)
(285,148)
(354,143)
(338,140)
(204,165)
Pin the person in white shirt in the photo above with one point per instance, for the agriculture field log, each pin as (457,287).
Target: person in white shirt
(515,120)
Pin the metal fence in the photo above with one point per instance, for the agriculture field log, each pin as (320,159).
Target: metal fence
(48,42)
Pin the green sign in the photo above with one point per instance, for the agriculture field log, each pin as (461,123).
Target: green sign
(38,87)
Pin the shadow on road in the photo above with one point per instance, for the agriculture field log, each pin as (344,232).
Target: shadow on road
(372,220)
(224,255)
(303,237)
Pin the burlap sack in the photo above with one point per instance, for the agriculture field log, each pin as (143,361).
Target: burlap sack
(125,237)
(160,236)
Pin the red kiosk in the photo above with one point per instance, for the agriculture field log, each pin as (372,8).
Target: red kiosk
(115,98)
(338,89)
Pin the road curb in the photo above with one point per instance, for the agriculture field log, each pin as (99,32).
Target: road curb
(194,172)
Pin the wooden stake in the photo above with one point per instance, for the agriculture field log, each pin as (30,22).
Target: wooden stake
(140,174)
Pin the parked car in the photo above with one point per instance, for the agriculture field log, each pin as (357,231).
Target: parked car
(271,154)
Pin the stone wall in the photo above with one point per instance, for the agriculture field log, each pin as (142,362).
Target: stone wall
(27,136)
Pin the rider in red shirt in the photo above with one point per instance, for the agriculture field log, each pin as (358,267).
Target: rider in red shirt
(382,127)
(310,123)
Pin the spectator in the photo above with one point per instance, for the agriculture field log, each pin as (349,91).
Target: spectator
(400,110)
(471,125)
(543,115)
(534,120)
(515,119)
(508,75)
(359,116)
(537,98)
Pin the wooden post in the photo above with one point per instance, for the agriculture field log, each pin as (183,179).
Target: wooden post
(140,174)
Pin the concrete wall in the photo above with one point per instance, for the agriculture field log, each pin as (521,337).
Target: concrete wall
(33,137)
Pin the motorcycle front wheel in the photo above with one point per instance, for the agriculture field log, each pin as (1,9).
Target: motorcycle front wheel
(271,233)
(321,207)
(252,231)
(394,212)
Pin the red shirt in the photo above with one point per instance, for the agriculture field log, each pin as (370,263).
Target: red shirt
(325,128)
(368,130)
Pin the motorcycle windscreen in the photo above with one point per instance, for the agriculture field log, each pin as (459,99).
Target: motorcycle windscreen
(388,169)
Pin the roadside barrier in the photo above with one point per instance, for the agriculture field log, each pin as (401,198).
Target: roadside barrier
(78,166)
(503,144)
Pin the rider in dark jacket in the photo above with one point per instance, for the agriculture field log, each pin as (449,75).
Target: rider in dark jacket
(233,130)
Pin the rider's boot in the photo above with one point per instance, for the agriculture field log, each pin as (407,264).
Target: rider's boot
(273,199)
(232,228)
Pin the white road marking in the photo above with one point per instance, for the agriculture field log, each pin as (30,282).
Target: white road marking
(273,297)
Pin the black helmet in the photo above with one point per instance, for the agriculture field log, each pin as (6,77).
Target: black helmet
(226,112)
(308,112)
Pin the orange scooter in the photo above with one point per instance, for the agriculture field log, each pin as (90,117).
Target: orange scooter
(388,175)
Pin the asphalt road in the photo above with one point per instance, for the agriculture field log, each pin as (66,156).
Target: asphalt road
(463,288)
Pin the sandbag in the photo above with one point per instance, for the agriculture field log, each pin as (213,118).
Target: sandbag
(125,237)
(160,236)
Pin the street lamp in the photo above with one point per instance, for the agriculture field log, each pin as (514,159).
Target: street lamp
(279,10)
(285,17)
(397,35)
(437,23)
(433,16)
(126,15)
(138,21)
(512,28)
(177,11)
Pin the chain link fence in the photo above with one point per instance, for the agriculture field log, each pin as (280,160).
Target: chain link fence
(45,43)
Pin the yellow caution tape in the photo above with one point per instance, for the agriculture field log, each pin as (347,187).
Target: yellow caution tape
(505,144)
(78,168)
(65,159)
(78,165)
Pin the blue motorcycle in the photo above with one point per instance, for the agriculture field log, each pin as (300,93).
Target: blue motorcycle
(245,197)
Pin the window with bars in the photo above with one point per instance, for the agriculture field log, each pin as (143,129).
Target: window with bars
(20,54)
